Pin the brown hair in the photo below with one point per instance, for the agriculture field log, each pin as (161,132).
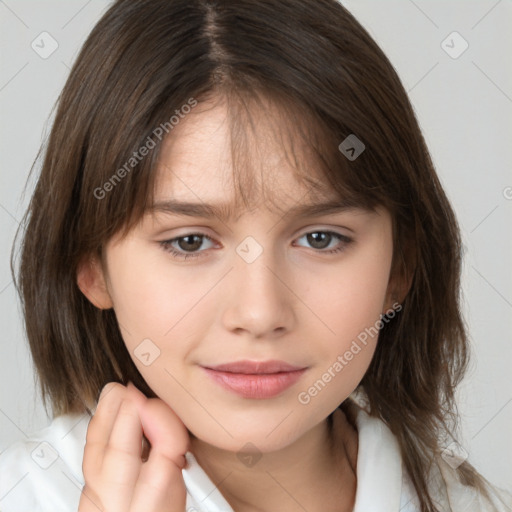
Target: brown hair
(146,58)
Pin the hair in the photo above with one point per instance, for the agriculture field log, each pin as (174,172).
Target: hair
(327,79)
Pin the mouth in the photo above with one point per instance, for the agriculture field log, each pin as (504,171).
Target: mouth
(256,367)
(256,380)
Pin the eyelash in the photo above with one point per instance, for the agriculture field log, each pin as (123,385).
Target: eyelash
(166,244)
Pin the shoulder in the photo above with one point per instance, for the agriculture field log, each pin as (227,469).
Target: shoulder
(44,471)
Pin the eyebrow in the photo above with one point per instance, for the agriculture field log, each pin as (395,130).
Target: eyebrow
(224,212)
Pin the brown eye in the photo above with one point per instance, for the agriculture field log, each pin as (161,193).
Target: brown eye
(186,246)
(318,239)
(321,240)
(190,242)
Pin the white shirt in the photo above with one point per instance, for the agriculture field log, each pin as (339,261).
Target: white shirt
(44,474)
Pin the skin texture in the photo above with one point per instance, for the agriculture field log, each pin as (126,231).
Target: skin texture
(294,302)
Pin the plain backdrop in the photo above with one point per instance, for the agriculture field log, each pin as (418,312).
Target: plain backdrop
(463,100)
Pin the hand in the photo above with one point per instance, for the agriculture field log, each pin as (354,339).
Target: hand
(117,479)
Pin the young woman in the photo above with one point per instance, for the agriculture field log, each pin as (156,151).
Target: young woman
(239,239)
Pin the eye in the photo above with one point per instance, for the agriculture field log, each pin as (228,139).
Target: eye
(322,239)
(189,242)
(187,246)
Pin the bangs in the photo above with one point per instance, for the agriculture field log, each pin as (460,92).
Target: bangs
(261,125)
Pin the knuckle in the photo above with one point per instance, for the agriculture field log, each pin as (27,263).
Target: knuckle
(111,389)
(127,412)
(120,468)
(111,395)
(160,480)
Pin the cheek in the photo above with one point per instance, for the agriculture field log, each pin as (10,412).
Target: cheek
(148,301)
(162,315)
(350,307)
(355,293)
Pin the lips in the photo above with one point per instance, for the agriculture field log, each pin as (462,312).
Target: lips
(256,367)
(255,379)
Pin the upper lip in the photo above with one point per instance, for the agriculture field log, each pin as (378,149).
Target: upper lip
(256,367)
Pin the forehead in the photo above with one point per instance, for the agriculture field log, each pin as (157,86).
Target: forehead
(245,158)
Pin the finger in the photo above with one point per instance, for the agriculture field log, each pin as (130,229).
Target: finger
(135,394)
(165,431)
(140,399)
(126,435)
(98,434)
(122,461)
(100,427)
(160,485)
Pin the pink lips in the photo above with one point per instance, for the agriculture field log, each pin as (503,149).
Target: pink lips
(253,379)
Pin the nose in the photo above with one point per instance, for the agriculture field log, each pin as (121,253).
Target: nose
(259,301)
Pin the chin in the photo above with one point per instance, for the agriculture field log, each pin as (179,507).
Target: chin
(256,438)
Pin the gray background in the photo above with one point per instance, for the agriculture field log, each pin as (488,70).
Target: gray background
(464,105)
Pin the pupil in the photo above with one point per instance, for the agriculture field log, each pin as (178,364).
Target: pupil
(317,240)
(190,244)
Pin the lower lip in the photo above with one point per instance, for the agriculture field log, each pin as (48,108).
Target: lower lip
(256,385)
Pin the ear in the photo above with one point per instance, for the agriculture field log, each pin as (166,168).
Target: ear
(398,289)
(400,281)
(91,280)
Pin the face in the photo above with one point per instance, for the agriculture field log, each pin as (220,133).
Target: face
(195,291)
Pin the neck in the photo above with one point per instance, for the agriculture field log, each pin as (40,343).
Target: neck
(317,472)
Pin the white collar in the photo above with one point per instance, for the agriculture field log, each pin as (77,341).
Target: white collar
(379,465)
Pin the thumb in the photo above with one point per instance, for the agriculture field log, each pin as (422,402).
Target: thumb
(165,430)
